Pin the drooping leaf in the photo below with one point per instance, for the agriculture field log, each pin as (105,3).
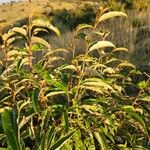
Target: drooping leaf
(8,35)
(20,30)
(37,40)
(45,24)
(126,65)
(101,44)
(83,26)
(111,14)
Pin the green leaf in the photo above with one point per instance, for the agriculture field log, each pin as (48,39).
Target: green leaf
(137,117)
(37,47)
(101,139)
(142,84)
(35,99)
(65,121)
(9,130)
(58,144)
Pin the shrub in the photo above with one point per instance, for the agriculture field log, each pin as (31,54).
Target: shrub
(81,105)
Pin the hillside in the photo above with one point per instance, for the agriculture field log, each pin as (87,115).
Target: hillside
(12,12)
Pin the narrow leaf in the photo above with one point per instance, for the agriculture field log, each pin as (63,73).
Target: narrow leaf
(61,141)
(9,130)
(101,139)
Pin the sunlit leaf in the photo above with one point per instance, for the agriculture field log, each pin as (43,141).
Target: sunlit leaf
(111,14)
(126,65)
(54,93)
(20,30)
(58,144)
(120,49)
(37,40)
(45,24)
(83,26)
(101,44)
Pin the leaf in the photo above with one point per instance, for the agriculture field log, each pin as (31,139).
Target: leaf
(126,65)
(24,121)
(112,60)
(101,44)
(35,99)
(52,52)
(20,30)
(83,26)
(142,84)
(18,90)
(95,83)
(45,24)
(12,53)
(145,98)
(92,88)
(101,139)
(131,111)
(111,14)
(8,35)
(70,67)
(65,121)
(38,40)
(54,93)
(109,70)
(120,49)
(9,130)
(37,47)
(58,144)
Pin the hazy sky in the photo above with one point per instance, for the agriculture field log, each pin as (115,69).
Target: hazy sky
(6,1)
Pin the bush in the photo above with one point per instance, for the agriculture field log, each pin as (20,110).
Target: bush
(82,105)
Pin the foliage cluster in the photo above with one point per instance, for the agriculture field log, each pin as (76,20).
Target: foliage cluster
(95,102)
